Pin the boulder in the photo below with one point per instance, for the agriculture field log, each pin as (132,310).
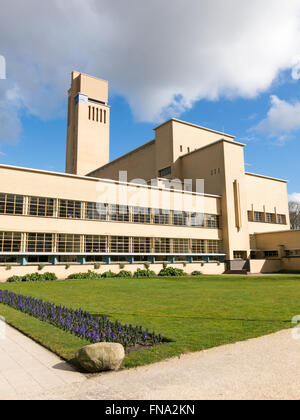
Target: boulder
(100,357)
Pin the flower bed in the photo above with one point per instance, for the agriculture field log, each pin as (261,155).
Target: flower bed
(81,323)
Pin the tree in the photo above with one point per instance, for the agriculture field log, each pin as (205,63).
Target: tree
(294,209)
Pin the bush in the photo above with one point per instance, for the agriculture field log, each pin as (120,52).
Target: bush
(165,265)
(147,265)
(122,265)
(15,279)
(97,266)
(196,273)
(67,266)
(41,266)
(144,273)
(124,274)
(172,272)
(33,278)
(108,275)
(8,267)
(90,275)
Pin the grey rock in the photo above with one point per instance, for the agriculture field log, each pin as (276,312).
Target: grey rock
(100,357)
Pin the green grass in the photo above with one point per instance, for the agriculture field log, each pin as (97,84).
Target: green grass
(194,313)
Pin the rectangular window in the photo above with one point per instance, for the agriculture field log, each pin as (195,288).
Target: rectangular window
(10,242)
(69,209)
(141,245)
(211,221)
(68,243)
(38,206)
(258,216)
(198,246)
(165,172)
(162,217)
(180,218)
(269,218)
(11,204)
(119,244)
(119,213)
(269,254)
(197,219)
(162,245)
(39,242)
(104,117)
(213,247)
(95,243)
(96,211)
(141,215)
(181,246)
(281,219)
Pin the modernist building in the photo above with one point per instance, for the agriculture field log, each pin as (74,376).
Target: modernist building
(88,215)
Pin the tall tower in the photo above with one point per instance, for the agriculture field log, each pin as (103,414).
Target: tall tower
(88,124)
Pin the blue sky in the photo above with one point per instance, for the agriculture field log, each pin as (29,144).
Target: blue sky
(243,79)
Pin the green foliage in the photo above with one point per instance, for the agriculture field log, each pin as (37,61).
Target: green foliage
(122,266)
(124,273)
(172,272)
(165,265)
(41,267)
(97,266)
(90,275)
(196,273)
(67,266)
(147,265)
(144,273)
(108,275)
(34,277)
(8,267)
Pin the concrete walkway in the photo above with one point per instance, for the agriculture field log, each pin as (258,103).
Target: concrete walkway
(262,368)
(28,369)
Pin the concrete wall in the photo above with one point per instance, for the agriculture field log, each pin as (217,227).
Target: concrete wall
(291,264)
(62,273)
(265,266)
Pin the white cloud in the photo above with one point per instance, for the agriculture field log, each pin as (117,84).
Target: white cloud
(283,119)
(295,197)
(161,55)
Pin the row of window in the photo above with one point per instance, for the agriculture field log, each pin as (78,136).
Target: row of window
(50,207)
(69,243)
(97,114)
(262,217)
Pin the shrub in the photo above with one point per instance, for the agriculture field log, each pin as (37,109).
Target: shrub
(144,273)
(41,266)
(108,275)
(124,274)
(90,275)
(15,279)
(165,265)
(147,265)
(122,266)
(172,272)
(33,277)
(8,267)
(184,264)
(97,266)
(67,266)
(196,273)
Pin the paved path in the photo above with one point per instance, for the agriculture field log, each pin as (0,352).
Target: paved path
(262,368)
(27,369)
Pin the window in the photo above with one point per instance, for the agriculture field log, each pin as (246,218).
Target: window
(96,211)
(10,242)
(181,149)
(162,217)
(250,216)
(162,245)
(214,247)
(89,112)
(281,219)
(39,242)
(269,254)
(95,243)
(180,218)
(181,246)
(197,219)
(188,150)
(69,209)
(141,215)
(11,204)
(68,243)
(119,213)
(211,221)
(198,246)
(165,172)
(141,245)
(119,244)
(38,206)
(104,117)
(258,216)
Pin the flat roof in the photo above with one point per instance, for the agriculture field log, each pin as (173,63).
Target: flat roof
(194,125)
(106,180)
(266,177)
(213,144)
(278,231)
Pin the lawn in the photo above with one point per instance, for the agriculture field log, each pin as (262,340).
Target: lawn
(193,313)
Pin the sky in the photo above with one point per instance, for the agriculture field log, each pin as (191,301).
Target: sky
(229,65)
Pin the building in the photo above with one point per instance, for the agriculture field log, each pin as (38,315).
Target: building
(158,214)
